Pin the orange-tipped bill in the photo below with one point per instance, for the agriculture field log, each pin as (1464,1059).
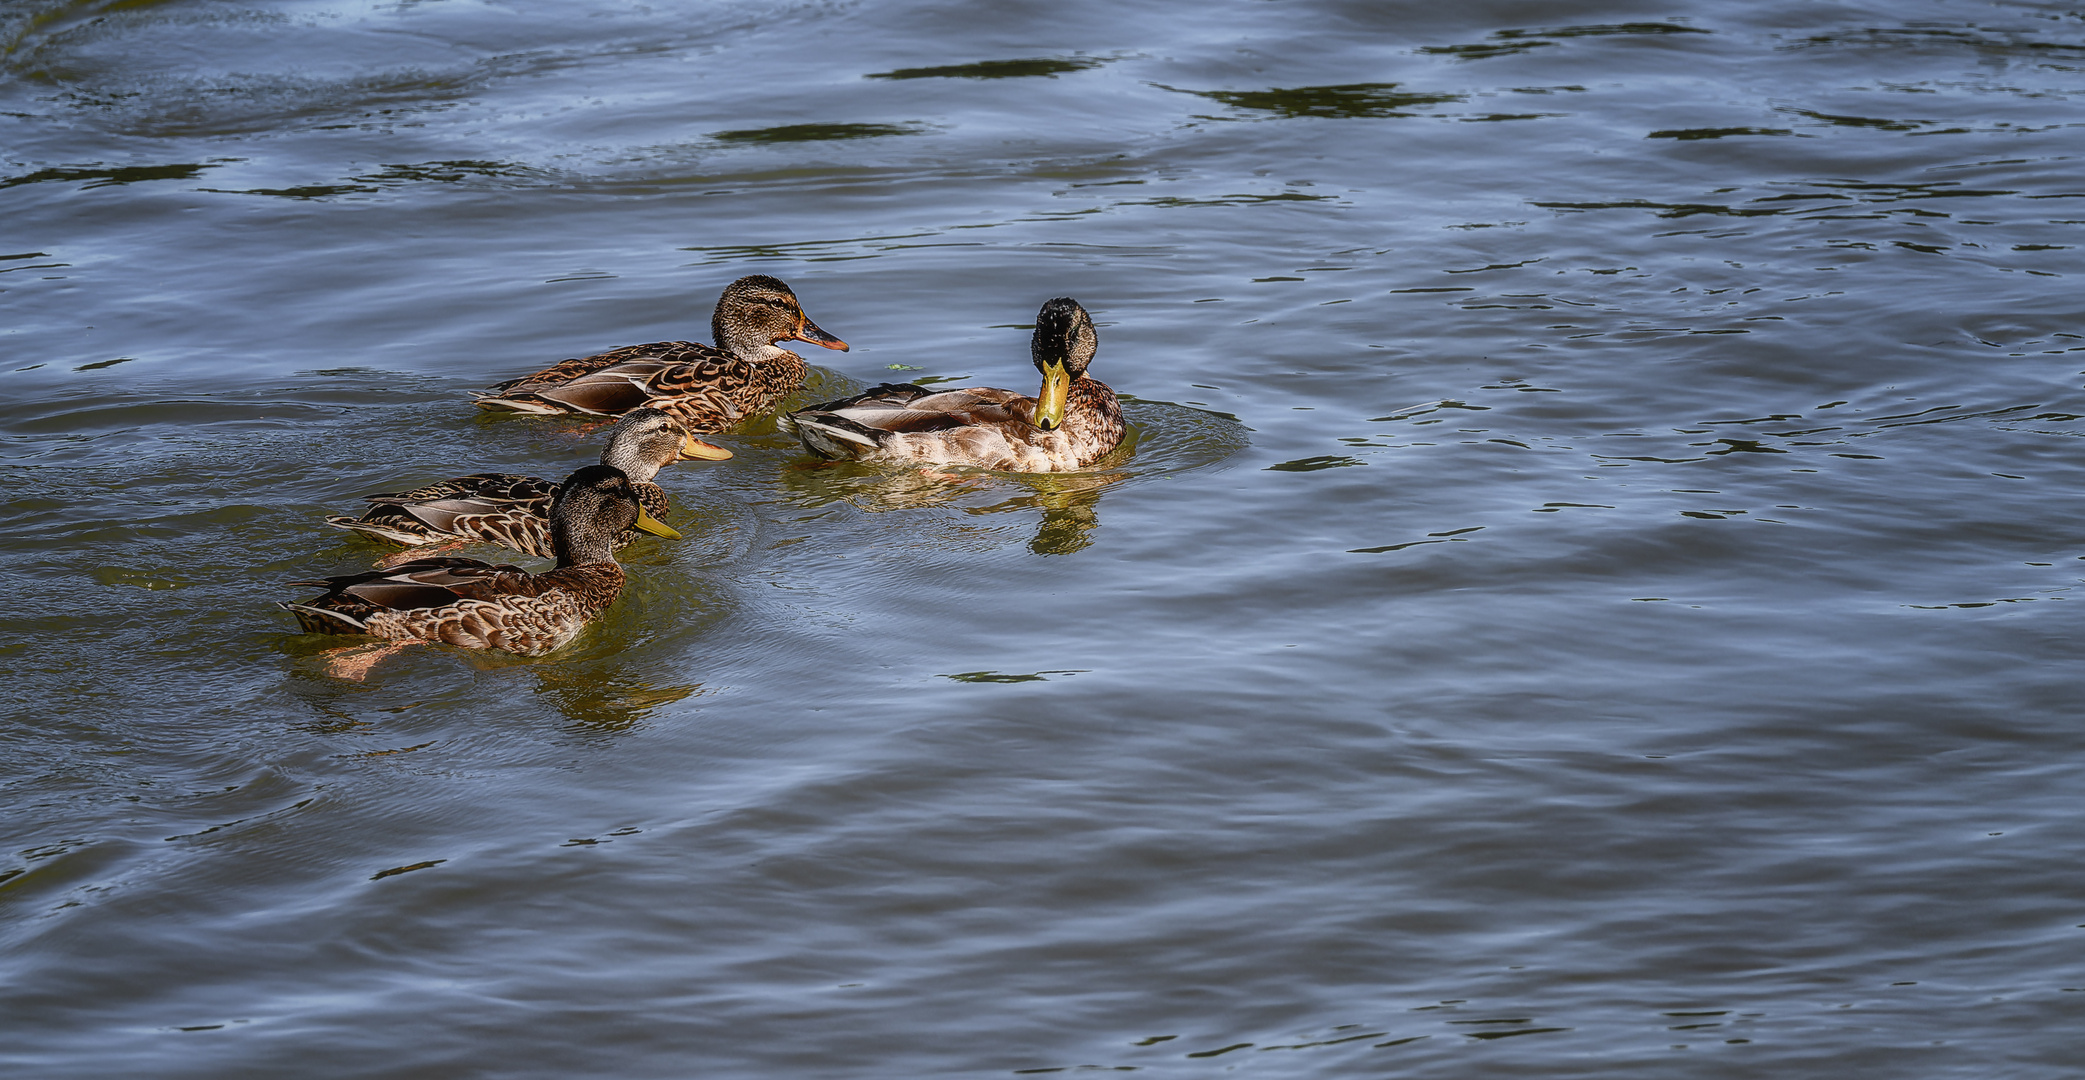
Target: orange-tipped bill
(693,448)
(808,331)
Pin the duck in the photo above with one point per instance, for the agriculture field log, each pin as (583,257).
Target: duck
(707,388)
(513,510)
(1071,423)
(479,605)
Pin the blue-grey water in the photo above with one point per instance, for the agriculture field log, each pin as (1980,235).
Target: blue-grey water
(1587,597)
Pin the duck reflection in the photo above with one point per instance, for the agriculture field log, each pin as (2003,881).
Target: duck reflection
(1069,506)
(1069,502)
(604,706)
(587,685)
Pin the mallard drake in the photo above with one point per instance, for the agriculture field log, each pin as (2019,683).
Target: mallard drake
(513,510)
(708,388)
(1070,424)
(478,605)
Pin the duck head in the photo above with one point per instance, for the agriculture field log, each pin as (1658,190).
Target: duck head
(758,311)
(1063,345)
(593,508)
(647,440)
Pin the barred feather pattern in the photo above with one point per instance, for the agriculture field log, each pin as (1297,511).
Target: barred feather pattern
(507,509)
(705,388)
(466,603)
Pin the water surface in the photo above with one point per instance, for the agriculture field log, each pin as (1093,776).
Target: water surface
(1585,597)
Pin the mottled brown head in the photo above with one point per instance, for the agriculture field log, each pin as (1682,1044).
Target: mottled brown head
(1063,345)
(594,507)
(758,311)
(647,440)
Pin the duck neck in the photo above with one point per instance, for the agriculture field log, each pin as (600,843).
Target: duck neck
(580,550)
(758,352)
(739,340)
(632,462)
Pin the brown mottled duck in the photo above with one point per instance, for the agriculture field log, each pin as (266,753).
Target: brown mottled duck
(477,605)
(513,510)
(708,388)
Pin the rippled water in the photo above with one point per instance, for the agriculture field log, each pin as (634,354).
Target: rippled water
(1586,596)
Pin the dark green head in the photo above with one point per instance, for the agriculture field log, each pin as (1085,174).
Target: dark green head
(1063,345)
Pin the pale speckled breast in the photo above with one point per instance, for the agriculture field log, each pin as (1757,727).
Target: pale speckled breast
(1092,428)
(992,448)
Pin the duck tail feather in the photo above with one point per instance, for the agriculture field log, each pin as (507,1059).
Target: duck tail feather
(834,436)
(520,403)
(317,616)
(377,530)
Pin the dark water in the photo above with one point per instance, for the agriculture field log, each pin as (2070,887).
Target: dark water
(1587,598)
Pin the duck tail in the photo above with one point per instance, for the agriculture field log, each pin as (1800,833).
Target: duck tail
(318,620)
(378,530)
(833,436)
(530,404)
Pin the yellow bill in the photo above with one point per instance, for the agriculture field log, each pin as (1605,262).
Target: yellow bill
(654,526)
(692,447)
(1056,388)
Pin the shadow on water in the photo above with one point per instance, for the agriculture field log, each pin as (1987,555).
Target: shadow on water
(1349,101)
(1991,43)
(390,176)
(1509,42)
(95,176)
(790,133)
(1044,66)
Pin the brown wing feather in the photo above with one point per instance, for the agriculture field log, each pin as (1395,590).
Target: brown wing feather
(958,408)
(518,524)
(653,498)
(513,487)
(564,371)
(507,509)
(705,388)
(515,528)
(896,407)
(608,392)
(421,582)
(466,602)
(529,615)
